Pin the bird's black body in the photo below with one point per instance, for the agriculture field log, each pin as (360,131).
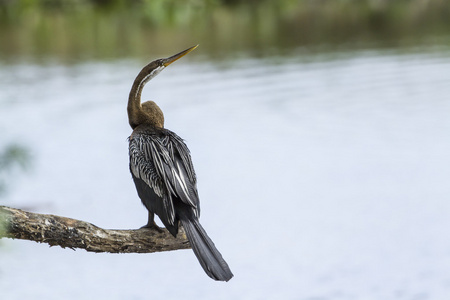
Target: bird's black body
(162,170)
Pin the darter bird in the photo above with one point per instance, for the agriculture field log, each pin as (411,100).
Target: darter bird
(162,170)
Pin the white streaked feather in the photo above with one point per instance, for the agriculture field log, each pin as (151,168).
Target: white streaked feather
(153,160)
(147,78)
(179,176)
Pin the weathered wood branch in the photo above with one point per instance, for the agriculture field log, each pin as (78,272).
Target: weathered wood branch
(71,233)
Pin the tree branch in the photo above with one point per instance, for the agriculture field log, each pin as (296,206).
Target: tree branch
(71,233)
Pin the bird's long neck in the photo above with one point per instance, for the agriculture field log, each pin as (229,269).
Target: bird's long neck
(136,115)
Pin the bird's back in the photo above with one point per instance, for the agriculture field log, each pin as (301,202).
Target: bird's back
(162,170)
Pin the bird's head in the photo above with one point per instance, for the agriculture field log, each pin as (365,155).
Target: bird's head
(156,66)
(149,112)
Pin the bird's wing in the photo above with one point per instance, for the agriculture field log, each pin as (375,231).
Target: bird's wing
(163,162)
(183,172)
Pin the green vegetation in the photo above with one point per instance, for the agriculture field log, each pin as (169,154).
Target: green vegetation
(71,30)
(12,158)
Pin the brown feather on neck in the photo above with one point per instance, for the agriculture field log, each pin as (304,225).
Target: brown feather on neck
(154,114)
(148,112)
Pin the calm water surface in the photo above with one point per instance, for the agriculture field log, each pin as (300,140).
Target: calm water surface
(325,179)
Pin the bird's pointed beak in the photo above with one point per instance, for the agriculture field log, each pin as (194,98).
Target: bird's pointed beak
(169,60)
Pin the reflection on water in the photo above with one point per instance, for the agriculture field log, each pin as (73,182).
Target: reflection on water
(320,179)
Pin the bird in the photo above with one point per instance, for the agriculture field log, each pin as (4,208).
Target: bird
(163,173)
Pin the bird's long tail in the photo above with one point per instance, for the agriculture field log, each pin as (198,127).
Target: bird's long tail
(207,254)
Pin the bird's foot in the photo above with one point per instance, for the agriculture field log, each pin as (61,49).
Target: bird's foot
(153,226)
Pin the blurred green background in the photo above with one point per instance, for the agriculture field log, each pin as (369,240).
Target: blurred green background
(75,30)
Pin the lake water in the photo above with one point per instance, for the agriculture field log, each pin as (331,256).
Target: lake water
(318,178)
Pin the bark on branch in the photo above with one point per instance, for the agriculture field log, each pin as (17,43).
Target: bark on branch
(71,233)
